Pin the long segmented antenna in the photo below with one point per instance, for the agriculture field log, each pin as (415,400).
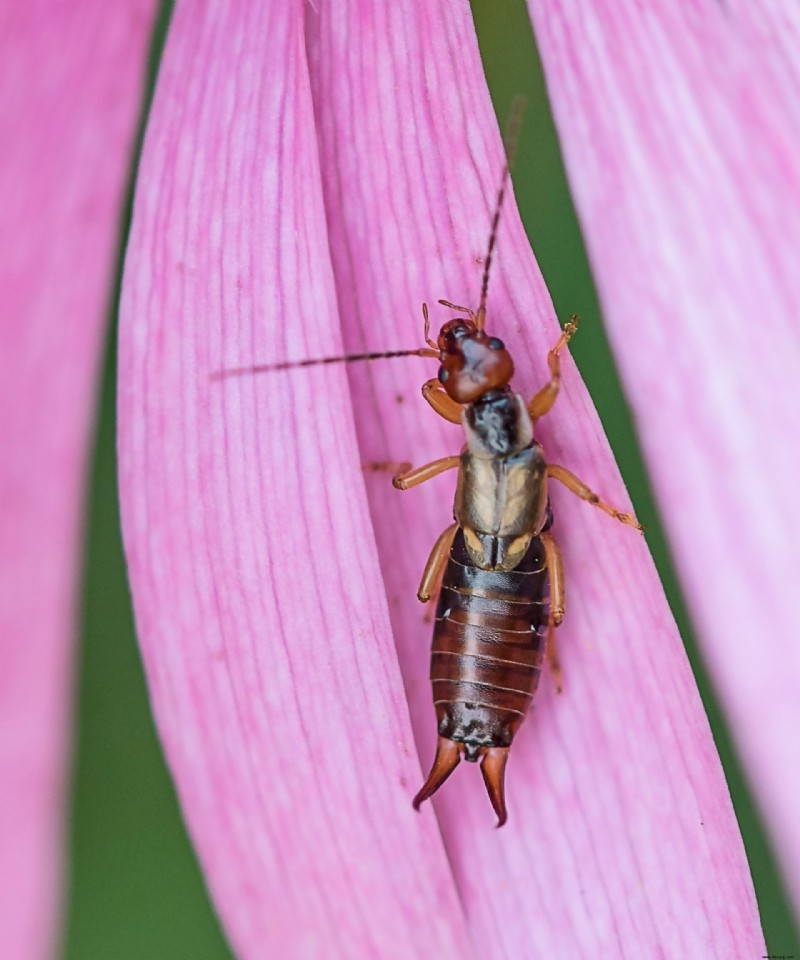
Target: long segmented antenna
(345,358)
(511,138)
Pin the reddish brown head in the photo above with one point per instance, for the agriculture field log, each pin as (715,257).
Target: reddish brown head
(472,363)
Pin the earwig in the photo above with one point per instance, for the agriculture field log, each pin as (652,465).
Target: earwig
(502,583)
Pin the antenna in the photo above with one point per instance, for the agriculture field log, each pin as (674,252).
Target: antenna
(511,139)
(345,358)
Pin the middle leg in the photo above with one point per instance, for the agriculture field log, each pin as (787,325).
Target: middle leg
(406,477)
(579,488)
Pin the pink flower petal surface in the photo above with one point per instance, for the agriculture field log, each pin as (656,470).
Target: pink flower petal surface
(72,78)
(680,131)
(255,579)
(622,839)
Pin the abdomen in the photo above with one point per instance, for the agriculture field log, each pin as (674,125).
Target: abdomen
(488,647)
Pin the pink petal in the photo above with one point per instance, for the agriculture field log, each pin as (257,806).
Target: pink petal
(622,837)
(253,569)
(681,132)
(69,97)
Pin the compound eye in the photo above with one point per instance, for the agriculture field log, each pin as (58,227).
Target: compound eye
(495,343)
(443,375)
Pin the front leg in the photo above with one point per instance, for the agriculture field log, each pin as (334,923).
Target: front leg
(579,488)
(443,404)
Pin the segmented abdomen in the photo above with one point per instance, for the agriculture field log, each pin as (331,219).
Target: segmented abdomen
(488,646)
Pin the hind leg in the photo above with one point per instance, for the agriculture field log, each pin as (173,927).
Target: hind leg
(433,567)
(555,569)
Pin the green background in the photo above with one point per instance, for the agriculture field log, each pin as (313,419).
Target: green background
(135,891)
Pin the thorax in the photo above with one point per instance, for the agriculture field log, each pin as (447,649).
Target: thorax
(501,496)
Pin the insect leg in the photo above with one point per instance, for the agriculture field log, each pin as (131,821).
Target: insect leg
(406,477)
(444,405)
(543,401)
(555,569)
(435,563)
(579,488)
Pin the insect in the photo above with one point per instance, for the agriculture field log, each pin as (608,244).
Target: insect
(502,579)
(502,587)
